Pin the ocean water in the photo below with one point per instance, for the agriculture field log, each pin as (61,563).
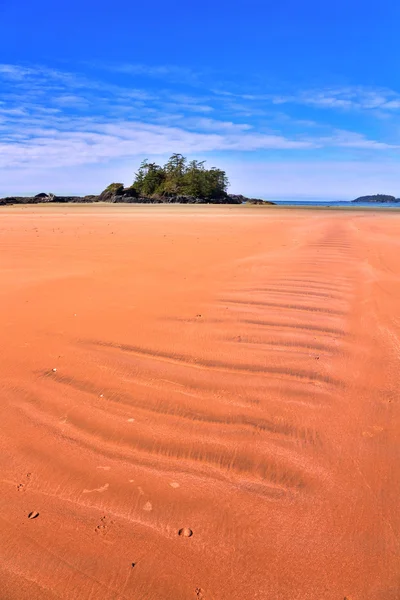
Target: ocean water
(338,203)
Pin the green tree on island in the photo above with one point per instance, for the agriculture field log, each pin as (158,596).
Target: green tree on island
(177,177)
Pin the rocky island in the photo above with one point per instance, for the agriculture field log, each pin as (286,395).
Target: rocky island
(381,198)
(176,182)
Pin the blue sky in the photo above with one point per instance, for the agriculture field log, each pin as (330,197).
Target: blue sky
(294,99)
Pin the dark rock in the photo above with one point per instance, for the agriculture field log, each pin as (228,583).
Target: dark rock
(117,193)
(130,192)
(114,189)
(125,199)
(260,202)
(18,200)
(239,199)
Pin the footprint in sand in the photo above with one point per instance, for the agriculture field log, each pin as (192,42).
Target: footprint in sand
(33,515)
(372,431)
(199,593)
(21,487)
(185,532)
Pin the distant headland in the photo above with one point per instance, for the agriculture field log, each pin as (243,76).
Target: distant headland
(177,182)
(377,198)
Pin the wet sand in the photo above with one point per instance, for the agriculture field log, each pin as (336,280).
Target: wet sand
(230,370)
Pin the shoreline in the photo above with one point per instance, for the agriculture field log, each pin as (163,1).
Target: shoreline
(187,206)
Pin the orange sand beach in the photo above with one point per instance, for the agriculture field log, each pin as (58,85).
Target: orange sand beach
(199,402)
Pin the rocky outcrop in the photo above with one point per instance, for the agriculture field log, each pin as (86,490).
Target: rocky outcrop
(114,189)
(116,193)
(243,200)
(42,197)
(20,200)
(180,199)
(48,198)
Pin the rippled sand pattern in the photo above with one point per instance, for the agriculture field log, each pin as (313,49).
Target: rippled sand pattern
(199,403)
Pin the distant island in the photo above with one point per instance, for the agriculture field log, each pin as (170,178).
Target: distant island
(377,198)
(178,182)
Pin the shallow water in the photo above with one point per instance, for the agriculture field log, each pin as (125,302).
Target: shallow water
(339,203)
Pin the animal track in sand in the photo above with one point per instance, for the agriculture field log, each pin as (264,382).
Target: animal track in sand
(33,515)
(174,484)
(148,507)
(102,527)
(199,593)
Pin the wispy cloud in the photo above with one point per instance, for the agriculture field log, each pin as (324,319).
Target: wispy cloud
(170,73)
(349,139)
(345,98)
(84,141)
(52,119)
(337,98)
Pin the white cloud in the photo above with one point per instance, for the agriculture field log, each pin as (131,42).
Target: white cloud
(15,71)
(83,141)
(53,121)
(392,104)
(350,139)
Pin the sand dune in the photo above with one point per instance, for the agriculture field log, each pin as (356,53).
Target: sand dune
(199,402)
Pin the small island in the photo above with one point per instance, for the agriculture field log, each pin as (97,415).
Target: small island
(178,181)
(380,198)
